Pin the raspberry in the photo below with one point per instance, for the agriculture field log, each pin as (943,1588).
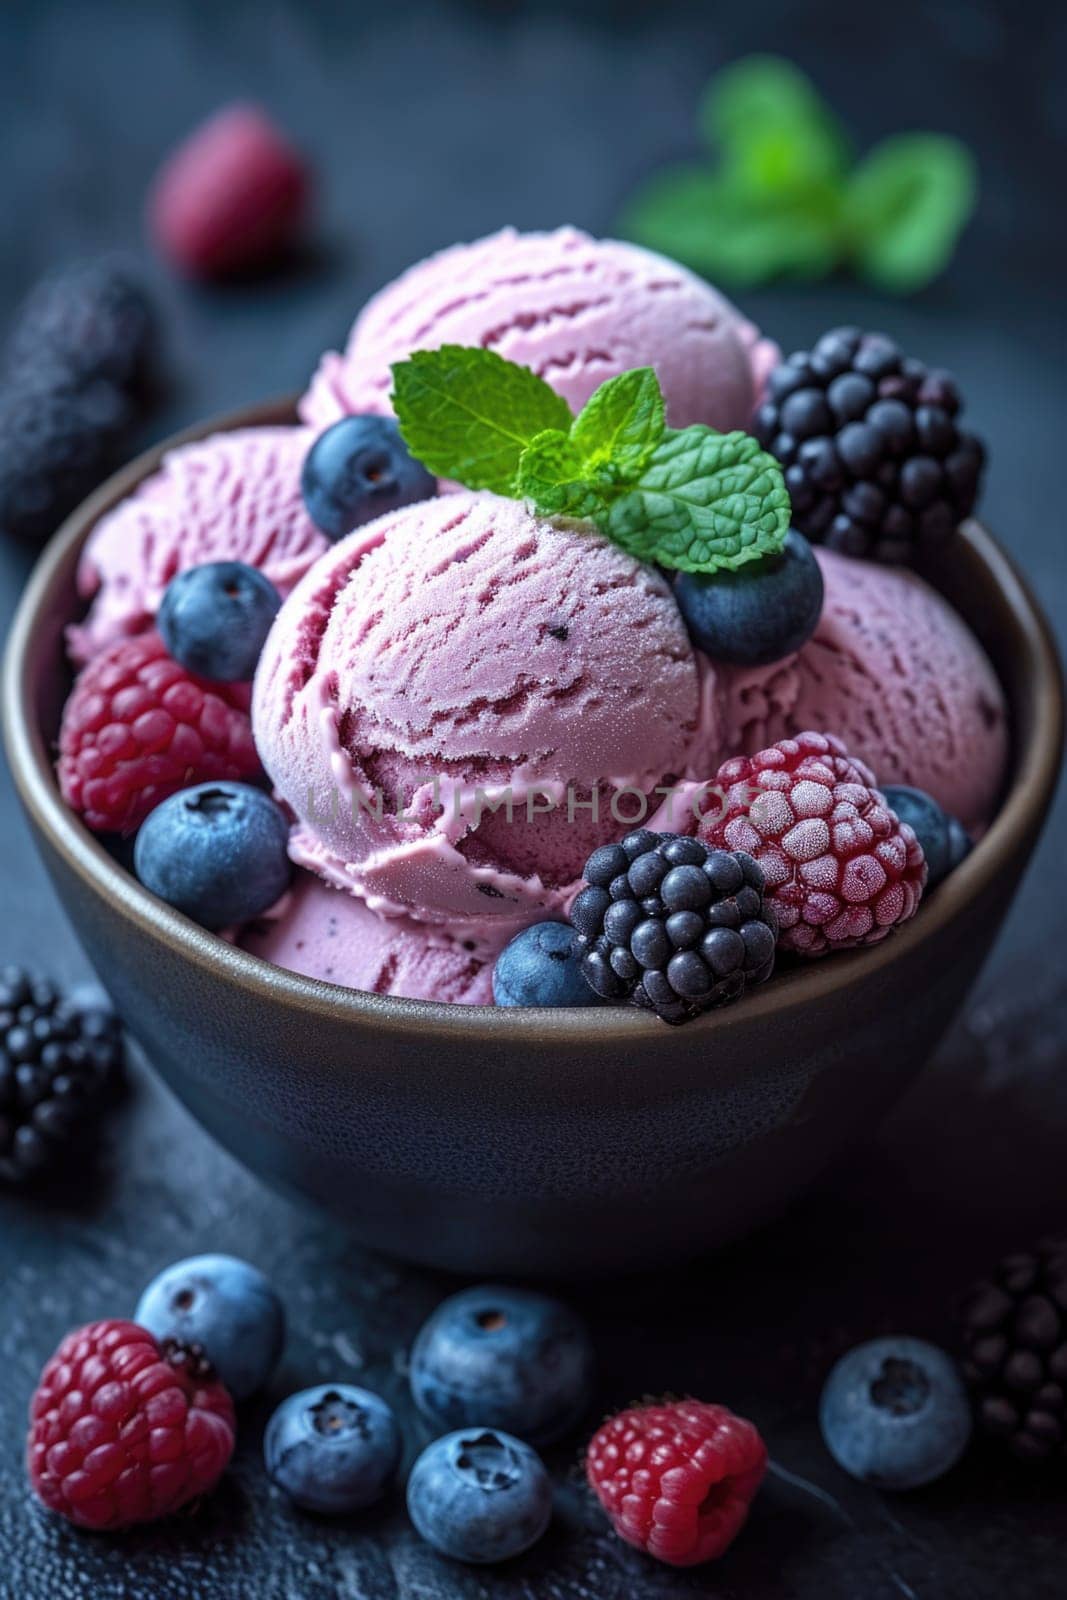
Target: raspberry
(230,197)
(841,869)
(137,728)
(124,1430)
(677,1479)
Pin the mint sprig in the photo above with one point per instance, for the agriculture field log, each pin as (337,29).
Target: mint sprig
(786,199)
(690,499)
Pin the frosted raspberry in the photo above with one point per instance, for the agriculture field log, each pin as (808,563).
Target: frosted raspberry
(124,1430)
(677,1479)
(841,869)
(137,728)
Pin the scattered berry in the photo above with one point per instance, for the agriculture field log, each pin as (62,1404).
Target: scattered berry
(231,197)
(894,1413)
(358,470)
(123,1430)
(539,968)
(137,728)
(58,440)
(944,841)
(758,614)
(841,869)
(213,619)
(506,1358)
(875,461)
(480,1496)
(673,924)
(677,1479)
(59,1065)
(1015,1352)
(218,852)
(332,1449)
(228,1308)
(90,321)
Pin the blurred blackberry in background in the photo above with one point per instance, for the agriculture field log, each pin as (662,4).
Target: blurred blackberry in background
(1015,1352)
(672,924)
(93,320)
(60,1063)
(875,460)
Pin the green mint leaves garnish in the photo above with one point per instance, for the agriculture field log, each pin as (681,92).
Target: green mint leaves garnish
(469,414)
(690,499)
(786,198)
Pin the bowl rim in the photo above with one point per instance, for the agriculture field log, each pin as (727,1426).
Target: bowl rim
(1034,777)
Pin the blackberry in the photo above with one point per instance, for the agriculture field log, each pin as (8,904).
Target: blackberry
(875,460)
(58,1066)
(673,925)
(1015,1352)
(90,321)
(58,440)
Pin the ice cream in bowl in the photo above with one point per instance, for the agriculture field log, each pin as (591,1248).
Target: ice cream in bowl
(549,791)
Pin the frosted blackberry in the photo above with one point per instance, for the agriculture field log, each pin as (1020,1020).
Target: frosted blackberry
(58,439)
(92,320)
(673,925)
(58,1066)
(875,460)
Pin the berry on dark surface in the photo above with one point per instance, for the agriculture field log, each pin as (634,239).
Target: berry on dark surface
(332,1449)
(225,1306)
(59,1067)
(58,440)
(677,1479)
(123,1431)
(944,840)
(217,852)
(681,927)
(215,618)
(503,1358)
(876,462)
(539,967)
(894,1413)
(358,470)
(480,1495)
(1015,1352)
(90,321)
(758,614)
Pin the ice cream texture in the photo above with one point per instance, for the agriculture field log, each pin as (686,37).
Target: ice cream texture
(325,933)
(233,496)
(897,675)
(494,673)
(577,310)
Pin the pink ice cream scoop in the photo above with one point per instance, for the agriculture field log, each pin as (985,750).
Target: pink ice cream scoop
(451,689)
(577,310)
(324,933)
(895,674)
(234,496)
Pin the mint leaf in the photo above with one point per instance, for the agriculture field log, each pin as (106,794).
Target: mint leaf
(705,501)
(468,414)
(621,424)
(905,207)
(554,474)
(773,129)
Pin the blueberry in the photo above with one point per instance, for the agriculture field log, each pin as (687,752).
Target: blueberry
(894,1413)
(480,1496)
(227,1306)
(933,828)
(214,619)
(358,470)
(960,843)
(758,614)
(503,1358)
(218,852)
(332,1449)
(538,968)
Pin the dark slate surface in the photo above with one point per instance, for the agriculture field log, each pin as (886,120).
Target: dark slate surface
(431,123)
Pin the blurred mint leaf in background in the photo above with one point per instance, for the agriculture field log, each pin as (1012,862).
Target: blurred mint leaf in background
(786,200)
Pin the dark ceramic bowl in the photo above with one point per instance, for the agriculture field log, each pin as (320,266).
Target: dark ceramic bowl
(533,1142)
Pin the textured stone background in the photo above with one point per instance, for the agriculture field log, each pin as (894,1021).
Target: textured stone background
(435,122)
